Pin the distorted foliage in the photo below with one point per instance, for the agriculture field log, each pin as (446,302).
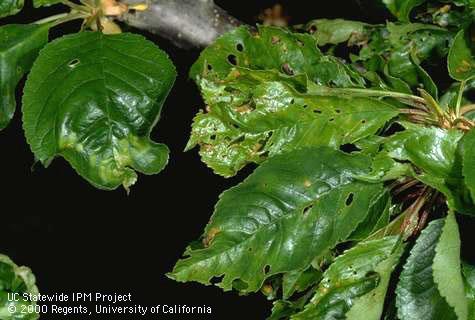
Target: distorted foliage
(364,160)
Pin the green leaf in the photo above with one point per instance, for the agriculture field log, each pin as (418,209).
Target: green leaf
(10,7)
(447,270)
(16,280)
(254,115)
(93,99)
(45,3)
(335,31)
(460,60)
(293,208)
(431,149)
(299,281)
(276,49)
(402,8)
(19,47)
(430,286)
(354,286)
(468,155)
(468,272)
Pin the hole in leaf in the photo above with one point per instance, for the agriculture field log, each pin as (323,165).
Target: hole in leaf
(74,63)
(349,148)
(312,29)
(363,121)
(267,269)
(240,47)
(216,280)
(232,59)
(210,67)
(337,110)
(307,210)
(317,111)
(213,137)
(331,119)
(287,69)
(349,199)
(292,101)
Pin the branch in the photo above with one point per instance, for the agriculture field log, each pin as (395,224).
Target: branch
(187,23)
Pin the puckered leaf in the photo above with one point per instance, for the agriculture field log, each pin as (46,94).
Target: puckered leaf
(292,209)
(93,99)
(253,115)
(355,285)
(430,286)
(460,60)
(273,49)
(16,280)
(19,47)
(10,7)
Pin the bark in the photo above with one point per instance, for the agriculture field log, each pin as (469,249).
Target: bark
(187,23)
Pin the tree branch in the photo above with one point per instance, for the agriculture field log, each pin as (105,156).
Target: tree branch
(187,23)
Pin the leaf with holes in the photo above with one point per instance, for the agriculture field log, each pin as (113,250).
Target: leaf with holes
(292,209)
(431,285)
(335,31)
(10,7)
(355,284)
(19,47)
(255,115)
(20,281)
(273,48)
(93,99)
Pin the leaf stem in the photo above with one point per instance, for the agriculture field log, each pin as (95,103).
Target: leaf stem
(52,18)
(459,97)
(467,108)
(380,93)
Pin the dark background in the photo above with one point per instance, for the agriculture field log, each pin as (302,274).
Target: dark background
(77,238)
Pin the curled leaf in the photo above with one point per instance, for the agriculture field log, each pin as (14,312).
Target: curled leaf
(94,99)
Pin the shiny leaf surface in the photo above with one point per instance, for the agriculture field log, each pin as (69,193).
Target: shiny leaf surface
(93,99)
(19,47)
(293,208)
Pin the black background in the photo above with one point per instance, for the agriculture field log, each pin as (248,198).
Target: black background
(77,238)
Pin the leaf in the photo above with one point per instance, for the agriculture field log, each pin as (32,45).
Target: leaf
(45,3)
(275,49)
(10,7)
(402,8)
(430,286)
(19,47)
(299,281)
(16,280)
(355,285)
(377,218)
(460,60)
(447,267)
(293,208)
(255,115)
(431,149)
(335,31)
(468,272)
(93,99)
(468,155)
